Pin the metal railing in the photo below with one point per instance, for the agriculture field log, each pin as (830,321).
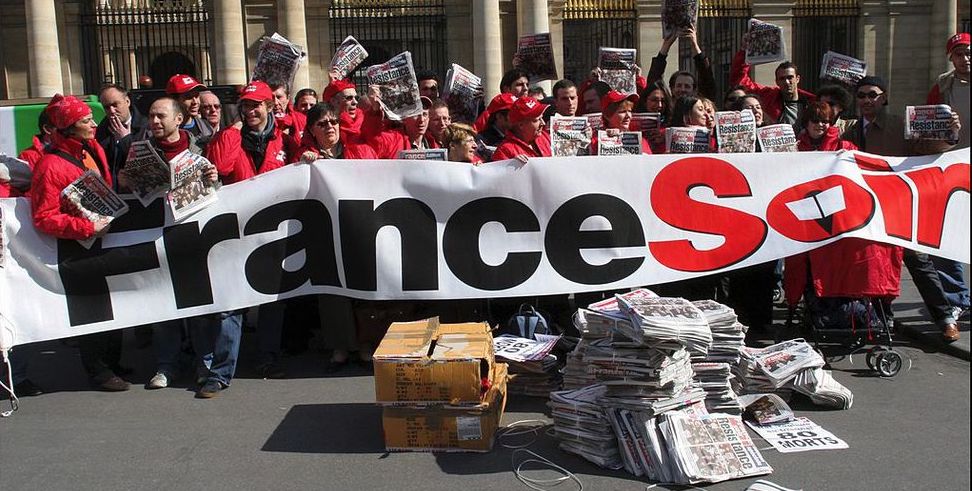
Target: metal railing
(821,26)
(591,24)
(720,30)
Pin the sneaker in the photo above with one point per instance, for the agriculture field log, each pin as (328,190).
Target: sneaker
(210,389)
(27,389)
(114,383)
(958,313)
(159,381)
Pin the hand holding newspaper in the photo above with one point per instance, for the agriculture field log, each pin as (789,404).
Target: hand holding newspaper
(776,138)
(736,131)
(618,68)
(94,200)
(348,56)
(569,136)
(623,143)
(677,15)
(931,122)
(278,60)
(764,43)
(191,191)
(463,92)
(842,68)
(398,86)
(534,55)
(146,173)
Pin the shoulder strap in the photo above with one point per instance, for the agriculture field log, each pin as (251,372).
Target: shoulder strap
(70,158)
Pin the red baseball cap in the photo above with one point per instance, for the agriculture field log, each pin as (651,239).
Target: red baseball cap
(957,40)
(256,91)
(614,96)
(336,87)
(526,108)
(501,102)
(181,83)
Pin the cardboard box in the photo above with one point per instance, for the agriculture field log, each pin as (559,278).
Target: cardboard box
(448,428)
(424,362)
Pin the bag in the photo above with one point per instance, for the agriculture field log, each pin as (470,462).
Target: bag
(527,322)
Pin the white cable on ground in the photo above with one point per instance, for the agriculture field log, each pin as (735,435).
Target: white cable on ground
(508,432)
(542,484)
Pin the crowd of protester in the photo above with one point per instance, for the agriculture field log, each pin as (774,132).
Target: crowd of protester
(276,128)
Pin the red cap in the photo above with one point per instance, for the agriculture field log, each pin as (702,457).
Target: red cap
(957,40)
(502,102)
(614,96)
(256,91)
(64,111)
(526,108)
(336,87)
(181,83)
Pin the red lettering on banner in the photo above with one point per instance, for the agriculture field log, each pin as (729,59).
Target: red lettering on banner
(870,162)
(854,212)
(670,200)
(935,188)
(896,200)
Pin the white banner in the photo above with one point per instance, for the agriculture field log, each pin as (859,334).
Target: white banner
(434,230)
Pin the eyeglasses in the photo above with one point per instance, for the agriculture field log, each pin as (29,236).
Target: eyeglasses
(350,98)
(869,95)
(209,107)
(324,123)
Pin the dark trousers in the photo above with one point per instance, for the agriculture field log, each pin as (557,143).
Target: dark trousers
(929,286)
(101,353)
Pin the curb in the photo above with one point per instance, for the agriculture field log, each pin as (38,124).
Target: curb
(932,338)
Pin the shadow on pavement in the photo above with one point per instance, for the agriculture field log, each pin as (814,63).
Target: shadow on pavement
(329,428)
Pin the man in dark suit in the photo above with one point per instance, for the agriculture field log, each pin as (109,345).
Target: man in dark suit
(122,125)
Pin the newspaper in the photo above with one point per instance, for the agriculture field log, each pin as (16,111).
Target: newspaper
(780,362)
(399,89)
(799,435)
(687,140)
(765,43)
(516,348)
(776,138)
(623,143)
(821,388)
(463,92)
(534,55)
(595,121)
(582,427)
(842,68)
(569,136)
(94,200)
(665,319)
(439,154)
(678,14)
(736,131)
(766,408)
(348,56)
(618,68)
(645,122)
(712,448)
(932,122)
(147,172)
(16,172)
(278,60)
(191,192)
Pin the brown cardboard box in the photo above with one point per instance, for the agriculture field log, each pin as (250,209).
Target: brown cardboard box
(448,428)
(423,362)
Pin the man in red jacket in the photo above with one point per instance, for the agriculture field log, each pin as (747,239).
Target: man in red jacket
(289,120)
(410,135)
(783,103)
(526,137)
(252,146)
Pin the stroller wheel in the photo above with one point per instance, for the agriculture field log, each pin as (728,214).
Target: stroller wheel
(872,355)
(888,363)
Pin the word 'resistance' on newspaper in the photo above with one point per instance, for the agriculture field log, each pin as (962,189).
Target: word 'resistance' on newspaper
(147,172)
(618,68)
(678,14)
(569,136)
(842,68)
(398,86)
(776,138)
(687,140)
(931,122)
(278,60)
(94,200)
(621,143)
(348,56)
(191,191)
(736,131)
(463,93)
(710,448)
(764,43)
(534,55)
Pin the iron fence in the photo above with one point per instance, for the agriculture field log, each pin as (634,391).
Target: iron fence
(821,26)
(591,24)
(719,30)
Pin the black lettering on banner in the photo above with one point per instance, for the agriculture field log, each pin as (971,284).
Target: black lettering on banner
(565,240)
(140,217)
(460,243)
(360,222)
(264,266)
(84,274)
(187,251)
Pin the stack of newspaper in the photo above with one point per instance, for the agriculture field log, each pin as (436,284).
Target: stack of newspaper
(534,369)
(728,335)
(636,375)
(663,321)
(582,427)
(786,367)
(714,378)
(709,448)
(819,385)
(575,373)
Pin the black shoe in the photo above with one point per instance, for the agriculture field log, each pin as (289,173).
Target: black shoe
(112,383)
(271,370)
(27,389)
(210,389)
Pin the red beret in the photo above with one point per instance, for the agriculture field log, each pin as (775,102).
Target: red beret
(335,87)
(64,111)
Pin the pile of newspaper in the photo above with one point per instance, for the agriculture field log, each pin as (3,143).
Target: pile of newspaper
(665,322)
(582,427)
(786,367)
(713,371)
(708,448)
(534,369)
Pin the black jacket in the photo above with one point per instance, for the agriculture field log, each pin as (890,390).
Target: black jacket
(117,150)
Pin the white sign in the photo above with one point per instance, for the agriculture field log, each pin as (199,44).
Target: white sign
(799,435)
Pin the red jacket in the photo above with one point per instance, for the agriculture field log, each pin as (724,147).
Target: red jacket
(387,143)
(235,164)
(352,151)
(294,121)
(513,146)
(52,173)
(830,142)
(770,96)
(33,153)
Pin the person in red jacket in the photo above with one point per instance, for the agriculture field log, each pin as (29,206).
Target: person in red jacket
(74,151)
(252,146)
(322,139)
(289,120)
(40,142)
(409,135)
(526,137)
(783,103)
(343,96)
(819,133)
(616,110)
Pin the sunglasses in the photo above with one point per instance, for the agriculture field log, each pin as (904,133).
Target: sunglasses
(324,123)
(869,95)
(210,106)
(350,98)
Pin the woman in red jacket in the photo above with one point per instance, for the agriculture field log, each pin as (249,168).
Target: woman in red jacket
(616,110)
(322,138)
(819,134)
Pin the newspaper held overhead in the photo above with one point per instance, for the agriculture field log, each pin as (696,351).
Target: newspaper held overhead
(678,14)
(423,154)
(777,138)
(623,143)
(736,131)
(396,81)
(799,435)
(765,43)
(463,93)
(348,56)
(191,192)
(278,60)
(147,172)
(618,68)
(932,122)
(687,140)
(94,200)
(842,68)
(534,55)
(569,136)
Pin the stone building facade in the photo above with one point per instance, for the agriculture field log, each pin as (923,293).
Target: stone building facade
(75,46)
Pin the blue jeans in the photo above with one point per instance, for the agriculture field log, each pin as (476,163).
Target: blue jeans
(216,339)
(167,344)
(953,283)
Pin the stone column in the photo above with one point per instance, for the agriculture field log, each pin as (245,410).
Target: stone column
(944,24)
(488,58)
(293,25)
(43,51)
(229,48)
(532,17)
